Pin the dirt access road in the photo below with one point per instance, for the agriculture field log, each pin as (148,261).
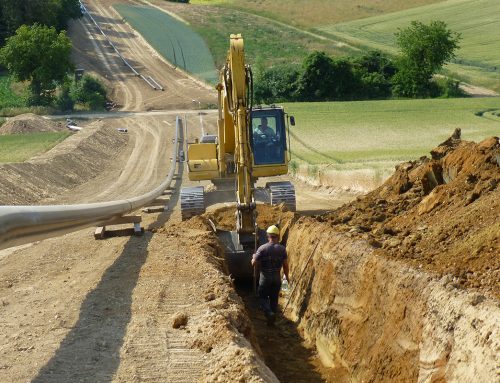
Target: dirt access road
(73,309)
(93,53)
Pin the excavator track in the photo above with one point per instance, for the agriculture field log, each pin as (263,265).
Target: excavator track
(282,192)
(192,202)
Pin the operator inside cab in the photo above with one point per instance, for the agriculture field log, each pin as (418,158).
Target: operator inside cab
(267,146)
(264,129)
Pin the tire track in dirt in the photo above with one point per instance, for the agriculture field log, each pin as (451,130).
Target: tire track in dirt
(109,60)
(175,360)
(140,172)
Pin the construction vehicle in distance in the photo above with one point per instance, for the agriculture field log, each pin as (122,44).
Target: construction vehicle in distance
(251,142)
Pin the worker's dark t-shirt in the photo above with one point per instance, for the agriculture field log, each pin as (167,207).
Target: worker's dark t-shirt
(271,257)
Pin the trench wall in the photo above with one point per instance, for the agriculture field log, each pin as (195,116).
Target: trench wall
(383,321)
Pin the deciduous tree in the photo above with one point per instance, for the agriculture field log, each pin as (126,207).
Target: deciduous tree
(40,55)
(425,48)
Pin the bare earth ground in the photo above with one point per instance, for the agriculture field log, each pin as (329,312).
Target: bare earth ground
(29,123)
(75,309)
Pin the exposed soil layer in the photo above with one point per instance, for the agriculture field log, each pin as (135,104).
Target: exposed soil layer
(224,218)
(156,308)
(383,320)
(76,160)
(29,123)
(440,214)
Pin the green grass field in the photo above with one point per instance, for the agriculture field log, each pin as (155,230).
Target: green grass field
(173,39)
(266,42)
(350,135)
(8,97)
(20,147)
(312,13)
(478,60)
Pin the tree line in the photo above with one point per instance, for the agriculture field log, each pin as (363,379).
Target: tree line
(424,49)
(51,13)
(36,49)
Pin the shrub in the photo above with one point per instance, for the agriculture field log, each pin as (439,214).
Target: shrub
(89,91)
(276,84)
(325,79)
(64,101)
(450,88)
(294,167)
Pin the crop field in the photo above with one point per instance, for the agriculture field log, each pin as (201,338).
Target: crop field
(20,147)
(173,39)
(9,98)
(311,13)
(351,134)
(266,42)
(478,59)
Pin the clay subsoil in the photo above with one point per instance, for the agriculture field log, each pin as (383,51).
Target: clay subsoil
(151,308)
(439,214)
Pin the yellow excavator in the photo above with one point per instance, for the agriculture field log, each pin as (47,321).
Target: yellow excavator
(251,142)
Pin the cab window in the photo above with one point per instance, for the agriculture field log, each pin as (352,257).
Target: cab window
(268,141)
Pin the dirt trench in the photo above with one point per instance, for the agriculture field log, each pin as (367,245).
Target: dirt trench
(356,316)
(398,285)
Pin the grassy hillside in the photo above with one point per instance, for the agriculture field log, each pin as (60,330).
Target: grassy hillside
(478,60)
(171,38)
(266,42)
(20,147)
(312,13)
(347,135)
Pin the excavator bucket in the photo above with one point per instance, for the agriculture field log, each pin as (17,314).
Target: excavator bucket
(239,256)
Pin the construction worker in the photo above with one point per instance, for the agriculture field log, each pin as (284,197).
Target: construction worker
(270,258)
(264,129)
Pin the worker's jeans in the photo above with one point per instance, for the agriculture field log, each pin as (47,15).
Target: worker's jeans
(269,291)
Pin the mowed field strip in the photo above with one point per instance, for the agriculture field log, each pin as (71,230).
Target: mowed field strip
(311,13)
(478,59)
(174,40)
(20,147)
(350,135)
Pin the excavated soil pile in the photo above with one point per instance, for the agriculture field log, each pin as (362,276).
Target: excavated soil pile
(440,214)
(76,160)
(224,218)
(29,123)
(217,323)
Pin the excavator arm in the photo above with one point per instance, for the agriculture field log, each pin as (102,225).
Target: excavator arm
(234,107)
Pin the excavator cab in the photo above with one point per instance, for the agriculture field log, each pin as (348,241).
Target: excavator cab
(268,141)
(268,136)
